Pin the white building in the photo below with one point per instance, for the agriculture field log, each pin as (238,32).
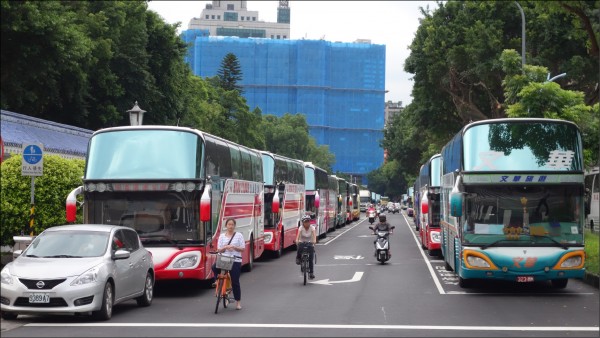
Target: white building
(232,18)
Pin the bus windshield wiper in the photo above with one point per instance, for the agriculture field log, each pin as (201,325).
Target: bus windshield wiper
(564,246)
(483,247)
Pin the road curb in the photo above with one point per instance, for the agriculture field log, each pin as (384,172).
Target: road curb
(591,279)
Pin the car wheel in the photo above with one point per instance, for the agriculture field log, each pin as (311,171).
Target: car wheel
(105,311)
(146,298)
(9,315)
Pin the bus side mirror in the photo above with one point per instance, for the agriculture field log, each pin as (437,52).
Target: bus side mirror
(456,200)
(205,204)
(275,205)
(424,206)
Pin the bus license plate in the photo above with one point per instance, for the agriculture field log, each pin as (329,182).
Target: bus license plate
(39,298)
(524,279)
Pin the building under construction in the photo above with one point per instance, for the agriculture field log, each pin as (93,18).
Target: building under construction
(339,87)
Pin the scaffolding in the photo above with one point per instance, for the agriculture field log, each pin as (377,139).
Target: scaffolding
(339,87)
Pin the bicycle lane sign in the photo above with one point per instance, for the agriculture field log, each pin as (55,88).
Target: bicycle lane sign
(32,163)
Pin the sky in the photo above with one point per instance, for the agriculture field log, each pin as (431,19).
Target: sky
(389,23)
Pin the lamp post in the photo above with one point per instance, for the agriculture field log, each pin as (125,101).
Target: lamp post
(548,79)
(136,115)
(522,35)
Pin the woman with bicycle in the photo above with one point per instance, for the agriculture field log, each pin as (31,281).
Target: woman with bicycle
(306,234)
(232,244)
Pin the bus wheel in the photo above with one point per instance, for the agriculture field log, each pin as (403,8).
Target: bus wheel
(447,266)
(559,283)
(248,267)
(279,251)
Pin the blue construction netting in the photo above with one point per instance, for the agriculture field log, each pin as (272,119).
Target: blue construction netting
(339,87)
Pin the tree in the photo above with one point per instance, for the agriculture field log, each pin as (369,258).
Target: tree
(51,190)
(230,73)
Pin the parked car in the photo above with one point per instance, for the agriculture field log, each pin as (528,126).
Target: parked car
(78,269)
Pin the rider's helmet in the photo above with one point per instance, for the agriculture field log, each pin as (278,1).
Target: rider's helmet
(382,217)
(305,218)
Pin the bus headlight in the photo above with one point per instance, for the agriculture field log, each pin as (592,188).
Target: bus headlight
(435,236)
(571,260)
(477,260)
(268,237)
(186,261)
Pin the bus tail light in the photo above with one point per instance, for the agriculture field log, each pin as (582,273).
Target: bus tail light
(71,212)
(205,204)
(275,206)
(318,200)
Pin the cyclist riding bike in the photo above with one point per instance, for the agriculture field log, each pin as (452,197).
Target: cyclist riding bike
(306,234)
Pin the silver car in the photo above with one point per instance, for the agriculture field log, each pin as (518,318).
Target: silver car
(78,269)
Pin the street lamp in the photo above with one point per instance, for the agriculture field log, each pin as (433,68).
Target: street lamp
(136,115)
(548,79)
(522,35)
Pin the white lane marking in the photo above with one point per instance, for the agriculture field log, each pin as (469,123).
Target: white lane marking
(431,270)
(357,276)
(328,326)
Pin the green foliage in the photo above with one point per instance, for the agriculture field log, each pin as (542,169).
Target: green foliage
(591,252)
(230,73)
(288,136)
(59,178)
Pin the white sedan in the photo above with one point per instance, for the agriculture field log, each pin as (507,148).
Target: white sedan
(78,269)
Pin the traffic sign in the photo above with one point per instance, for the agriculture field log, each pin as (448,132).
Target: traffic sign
(33,160)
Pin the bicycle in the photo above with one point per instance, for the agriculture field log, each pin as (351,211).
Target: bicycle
(304,259)
(223,290)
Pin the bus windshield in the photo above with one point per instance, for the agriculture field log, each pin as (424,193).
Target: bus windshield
(523,215)
(522,146)
(159,218)
(144,154)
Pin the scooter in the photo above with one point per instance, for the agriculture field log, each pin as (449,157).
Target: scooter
(382,245)
(371,214)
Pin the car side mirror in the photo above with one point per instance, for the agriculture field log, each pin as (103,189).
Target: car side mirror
(121,254)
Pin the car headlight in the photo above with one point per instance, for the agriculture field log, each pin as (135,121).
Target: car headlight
(6,276)
(90,276)
(185,262)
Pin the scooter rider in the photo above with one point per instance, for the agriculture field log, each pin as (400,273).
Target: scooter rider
(383,225)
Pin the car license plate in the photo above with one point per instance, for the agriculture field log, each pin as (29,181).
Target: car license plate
(524,279)
(39,298)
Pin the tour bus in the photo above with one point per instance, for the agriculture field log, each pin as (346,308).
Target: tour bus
(348,202)
(283,199)
(316,184)
(175,186)
(355,202)
(429,213)
(332,202)
(592,190)
(342,197)
(513,201)
(417,203)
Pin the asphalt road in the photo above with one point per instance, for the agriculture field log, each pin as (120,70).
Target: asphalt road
(352,295)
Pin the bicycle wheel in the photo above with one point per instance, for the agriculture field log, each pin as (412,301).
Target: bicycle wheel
(305,268)
(219,293)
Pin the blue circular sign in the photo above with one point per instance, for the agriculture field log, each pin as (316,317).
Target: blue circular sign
(32,154)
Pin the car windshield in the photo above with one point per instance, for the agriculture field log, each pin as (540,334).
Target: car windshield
(68,244)
(523,215)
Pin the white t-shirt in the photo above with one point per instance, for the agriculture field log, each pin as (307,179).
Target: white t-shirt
(238,241)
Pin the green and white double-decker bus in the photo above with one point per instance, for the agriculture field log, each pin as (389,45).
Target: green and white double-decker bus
(513,201)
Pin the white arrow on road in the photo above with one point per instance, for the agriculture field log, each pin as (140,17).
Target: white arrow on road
(357,276)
